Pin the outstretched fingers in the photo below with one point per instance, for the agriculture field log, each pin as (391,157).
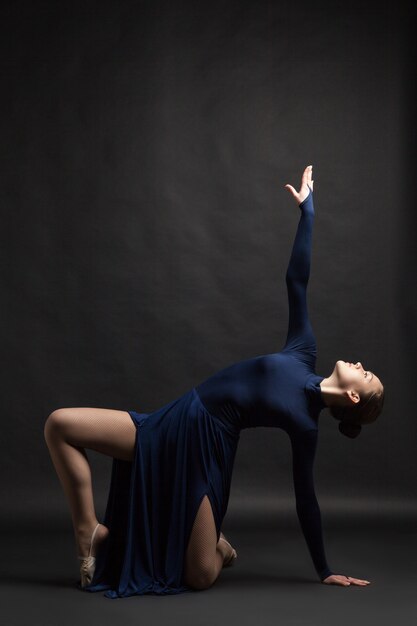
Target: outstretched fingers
(345,581)
(307,175)
(358,581)
(306,185)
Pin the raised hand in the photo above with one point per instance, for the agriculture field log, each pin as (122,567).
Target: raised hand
(306,182)
(345,581)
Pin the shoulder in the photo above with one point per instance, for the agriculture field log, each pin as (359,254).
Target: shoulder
(303,348)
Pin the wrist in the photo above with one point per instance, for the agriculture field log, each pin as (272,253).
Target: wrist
(325,574)
(307,206)
(309,197)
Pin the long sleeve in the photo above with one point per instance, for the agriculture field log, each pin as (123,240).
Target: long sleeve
(300,334)
(308,511)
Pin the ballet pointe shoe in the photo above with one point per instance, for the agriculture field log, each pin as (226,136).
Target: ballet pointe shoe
(88,563)
(228,562)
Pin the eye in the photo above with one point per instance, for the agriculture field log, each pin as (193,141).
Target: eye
(366,374)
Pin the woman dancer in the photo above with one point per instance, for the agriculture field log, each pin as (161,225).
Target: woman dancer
(172,468)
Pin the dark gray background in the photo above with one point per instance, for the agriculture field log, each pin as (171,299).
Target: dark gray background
(146,229)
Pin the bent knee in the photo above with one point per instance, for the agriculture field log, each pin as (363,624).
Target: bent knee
(55,422)
(203,578)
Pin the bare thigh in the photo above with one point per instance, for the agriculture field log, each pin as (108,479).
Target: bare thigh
(107,431)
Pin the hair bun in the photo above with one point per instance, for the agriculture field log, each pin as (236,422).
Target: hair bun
(350,430)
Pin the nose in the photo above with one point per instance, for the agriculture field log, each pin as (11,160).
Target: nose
(359,364)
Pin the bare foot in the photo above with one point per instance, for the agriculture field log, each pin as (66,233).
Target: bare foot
(83,539)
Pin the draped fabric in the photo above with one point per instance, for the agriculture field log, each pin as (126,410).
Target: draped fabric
(181,454)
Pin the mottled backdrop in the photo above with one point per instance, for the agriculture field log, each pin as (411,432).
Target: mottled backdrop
(146,229)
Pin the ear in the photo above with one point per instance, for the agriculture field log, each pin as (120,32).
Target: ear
(353,396)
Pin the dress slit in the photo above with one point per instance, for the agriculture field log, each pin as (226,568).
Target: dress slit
(182,453)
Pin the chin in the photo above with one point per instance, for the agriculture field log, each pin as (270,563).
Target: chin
(341,369)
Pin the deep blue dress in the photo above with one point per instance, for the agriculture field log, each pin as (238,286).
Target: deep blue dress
(186,449)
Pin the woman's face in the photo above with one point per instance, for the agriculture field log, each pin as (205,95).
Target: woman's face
(355,376)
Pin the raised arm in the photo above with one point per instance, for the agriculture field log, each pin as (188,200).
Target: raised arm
(308,511)
(300,333)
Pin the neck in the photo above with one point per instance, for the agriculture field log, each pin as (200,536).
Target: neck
(331,392)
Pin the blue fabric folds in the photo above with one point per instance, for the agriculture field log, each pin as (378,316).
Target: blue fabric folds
(182,453)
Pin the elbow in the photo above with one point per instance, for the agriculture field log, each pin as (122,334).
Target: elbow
(291,277)
(296,281)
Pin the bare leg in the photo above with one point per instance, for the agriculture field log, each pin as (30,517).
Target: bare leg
(204,557)
(67,432)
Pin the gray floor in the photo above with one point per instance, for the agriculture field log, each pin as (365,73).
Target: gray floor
(272,581)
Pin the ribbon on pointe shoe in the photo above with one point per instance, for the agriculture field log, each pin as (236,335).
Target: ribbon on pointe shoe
(87,569)
(88,564)
(232,557)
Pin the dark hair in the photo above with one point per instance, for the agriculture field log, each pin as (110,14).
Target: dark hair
(352,417)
